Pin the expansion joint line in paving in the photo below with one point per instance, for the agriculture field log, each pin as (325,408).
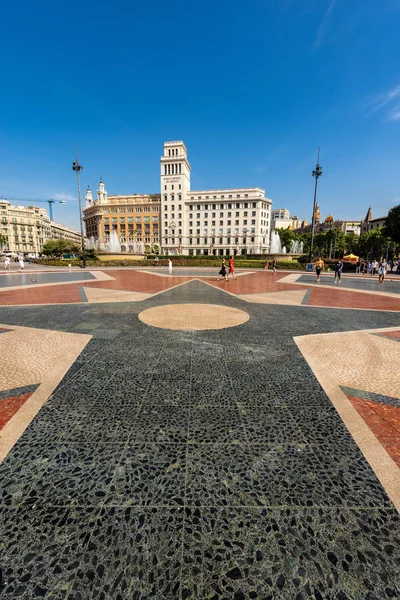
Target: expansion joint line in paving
(186,467)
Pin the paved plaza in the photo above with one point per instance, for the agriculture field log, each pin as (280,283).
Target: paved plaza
(164,436)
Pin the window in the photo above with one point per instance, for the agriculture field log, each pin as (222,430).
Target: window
(237,195)
(198,216)
(237,222)
(205,222)
(138,219)
(214,206)
(246,205)
(253,214)
(245,222)
(254,204)
(165,198)
(212,222)
(165,187)
(213,215)
(221,222)
(172,186)
(146,219)
(198,223)
(206,215)
(221,215)
(237,205)
(253,221)
(236,214)
(246,195)
(229,222)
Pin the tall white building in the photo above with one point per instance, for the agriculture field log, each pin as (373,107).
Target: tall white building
(224,221)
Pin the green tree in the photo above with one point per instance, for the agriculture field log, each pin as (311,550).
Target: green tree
(286,236)
(392,224)
(320,243)
(352,242)
(59,247)
(374,244)
(3,241)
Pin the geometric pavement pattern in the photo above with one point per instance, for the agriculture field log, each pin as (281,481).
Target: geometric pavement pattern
(194,464)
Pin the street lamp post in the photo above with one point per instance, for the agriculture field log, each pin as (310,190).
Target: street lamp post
(316,173)
(78,168)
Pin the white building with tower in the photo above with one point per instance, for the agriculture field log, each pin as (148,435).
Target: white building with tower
(182,221)
(223,221)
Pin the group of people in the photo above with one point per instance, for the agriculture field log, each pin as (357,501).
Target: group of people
(274,264)
(7,263)
(225,270)
(371,268)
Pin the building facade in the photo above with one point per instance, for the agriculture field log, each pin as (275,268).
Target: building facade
(180,220)
(372,223)
(329,223)
(27,228)
(220,222)
(134,218)
(281,219)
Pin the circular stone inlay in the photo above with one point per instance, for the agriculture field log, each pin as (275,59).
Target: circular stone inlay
(193,316)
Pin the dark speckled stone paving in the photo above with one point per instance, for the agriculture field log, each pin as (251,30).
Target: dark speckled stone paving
(193,465)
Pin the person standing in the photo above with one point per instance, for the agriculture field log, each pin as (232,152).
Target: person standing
(170,265)
(266,265)
(7,262)
(374,267)
(156,261)
(231,264)
(319,266)
(21,263)
(358,267)
(274,265)
(382,271)
(222,272)
(338,270)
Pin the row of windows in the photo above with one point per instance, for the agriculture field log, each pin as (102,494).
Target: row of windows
(213,231)
(211,241)
(229,222)
(223,215)
(172,151)
(174,169)
(222,196)
(129,209)
(130,219)
(228,206)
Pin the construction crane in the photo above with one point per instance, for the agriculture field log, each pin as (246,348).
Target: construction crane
(32,201)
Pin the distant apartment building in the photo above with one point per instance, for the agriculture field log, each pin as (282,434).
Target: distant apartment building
(327,224)
(281,219)
(135,218)
(180,220)
(372,223)
(27,228)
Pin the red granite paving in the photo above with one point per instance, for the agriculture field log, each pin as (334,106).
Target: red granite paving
(66,293)
(344,299)
(42,295)
(391,334)
(255,283)
(10,406)
(384,422)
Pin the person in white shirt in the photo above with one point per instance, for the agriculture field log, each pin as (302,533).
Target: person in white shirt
(7,263)
(21,263)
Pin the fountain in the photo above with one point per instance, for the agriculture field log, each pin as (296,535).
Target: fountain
(276,246)
(296,247)
(113,245)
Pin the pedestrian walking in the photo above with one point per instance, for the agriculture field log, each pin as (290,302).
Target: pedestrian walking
(231,265)
(382,271)
(7,262)
(170,265)
(156,261)
(374,267)
(21,263)
(266,265)
(338,270)
(319,266)
(358,267)
(274,265)
(222,272)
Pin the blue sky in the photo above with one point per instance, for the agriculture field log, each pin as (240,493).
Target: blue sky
(253,88)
